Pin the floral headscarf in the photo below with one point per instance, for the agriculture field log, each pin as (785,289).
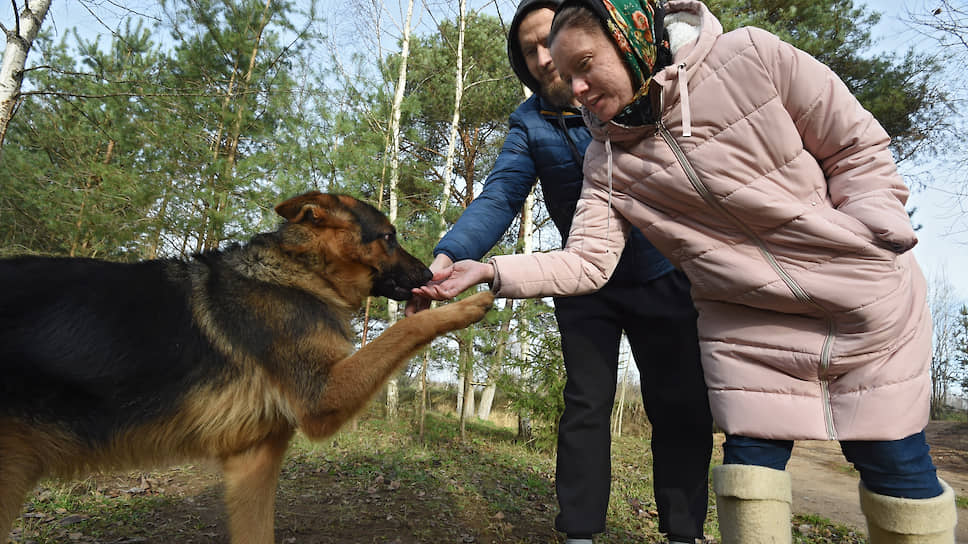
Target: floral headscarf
(636,28)
(633,28)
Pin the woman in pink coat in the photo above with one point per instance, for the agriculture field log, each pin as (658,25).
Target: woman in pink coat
(753,168)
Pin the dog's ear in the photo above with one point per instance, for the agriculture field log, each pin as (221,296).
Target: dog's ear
(319,208)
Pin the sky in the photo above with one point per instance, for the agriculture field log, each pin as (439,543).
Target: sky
(943,238)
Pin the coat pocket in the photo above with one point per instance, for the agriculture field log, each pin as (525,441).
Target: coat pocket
(856,233)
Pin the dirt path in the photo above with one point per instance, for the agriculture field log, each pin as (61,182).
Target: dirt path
(363,500)
(824,483)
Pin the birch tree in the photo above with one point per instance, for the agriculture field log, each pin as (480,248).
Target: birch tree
(941,301)
(392,307)
(525,427)
(468,367)
(20,38)
(467,138)
(431,108)
(497,363)
(459,95)
(487,97)
(623,384)
(455,122)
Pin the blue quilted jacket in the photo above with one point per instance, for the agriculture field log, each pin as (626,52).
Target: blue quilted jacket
(546,144)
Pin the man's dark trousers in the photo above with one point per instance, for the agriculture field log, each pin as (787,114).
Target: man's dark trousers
(660,322)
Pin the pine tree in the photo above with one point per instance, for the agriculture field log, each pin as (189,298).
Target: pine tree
(131,150)
(81,158)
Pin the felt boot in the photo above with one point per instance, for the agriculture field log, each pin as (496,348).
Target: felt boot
(893,520)
(753,504)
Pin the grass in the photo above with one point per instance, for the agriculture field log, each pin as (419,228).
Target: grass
(848,469)
(60,510)
(815,530)
(950,414)
(370,484)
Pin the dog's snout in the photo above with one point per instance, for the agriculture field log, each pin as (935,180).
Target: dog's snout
(425,276)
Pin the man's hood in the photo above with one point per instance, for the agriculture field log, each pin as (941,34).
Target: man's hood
(515,56)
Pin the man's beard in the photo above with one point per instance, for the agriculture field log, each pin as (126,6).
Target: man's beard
(558,93)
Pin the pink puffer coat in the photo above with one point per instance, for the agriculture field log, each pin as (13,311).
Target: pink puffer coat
(780,200)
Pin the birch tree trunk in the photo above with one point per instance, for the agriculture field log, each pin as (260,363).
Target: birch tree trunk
(525,432)
(460,390)
(941,301)
(19,40)
(454,124)
(393,384)
(423,393)
(487,396)
(466,400)
(467,408)
(617,425)
(448,169)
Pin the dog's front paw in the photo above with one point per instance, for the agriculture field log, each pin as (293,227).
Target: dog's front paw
(472,309)
(478,305)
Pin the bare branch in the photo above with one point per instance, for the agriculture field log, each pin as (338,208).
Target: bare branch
(62,94)
(16,17)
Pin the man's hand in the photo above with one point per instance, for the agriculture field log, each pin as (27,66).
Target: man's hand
(418,302)
(454,280)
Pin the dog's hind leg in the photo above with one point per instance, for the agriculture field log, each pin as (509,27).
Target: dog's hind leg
(14,486)
(20,470)
(355,379)
(250,489)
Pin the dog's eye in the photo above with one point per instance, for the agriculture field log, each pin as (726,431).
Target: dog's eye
(388,237)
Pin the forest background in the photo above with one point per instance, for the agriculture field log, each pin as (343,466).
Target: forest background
(160,129)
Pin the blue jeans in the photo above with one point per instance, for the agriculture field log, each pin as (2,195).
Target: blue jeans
(896,468)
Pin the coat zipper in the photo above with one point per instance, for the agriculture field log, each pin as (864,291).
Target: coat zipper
(791,283)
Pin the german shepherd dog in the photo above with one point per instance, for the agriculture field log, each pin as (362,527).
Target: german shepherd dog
(221,356)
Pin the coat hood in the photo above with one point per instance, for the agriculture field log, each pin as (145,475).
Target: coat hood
(515,56)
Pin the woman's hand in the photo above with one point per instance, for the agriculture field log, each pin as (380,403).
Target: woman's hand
(453,280)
